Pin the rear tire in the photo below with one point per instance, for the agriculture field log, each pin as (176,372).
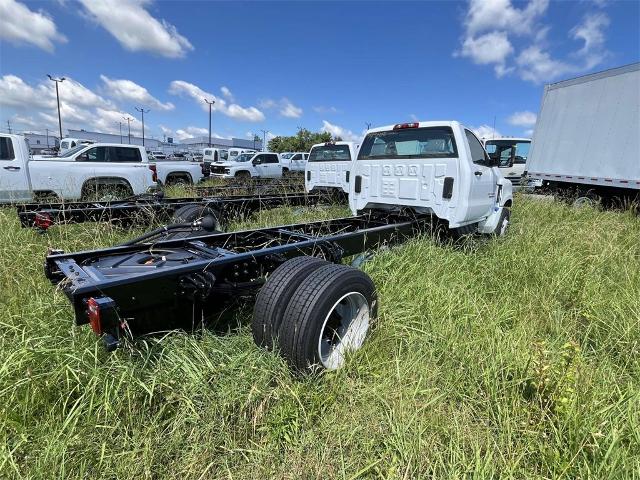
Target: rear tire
(274,296)
(328,316)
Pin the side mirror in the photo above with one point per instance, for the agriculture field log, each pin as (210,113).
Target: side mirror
(257,161)
(82,158)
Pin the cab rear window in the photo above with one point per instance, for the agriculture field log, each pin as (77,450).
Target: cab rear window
(427,142)
(330,153)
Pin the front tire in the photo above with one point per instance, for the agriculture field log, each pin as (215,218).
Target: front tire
(327,317)
(503,223)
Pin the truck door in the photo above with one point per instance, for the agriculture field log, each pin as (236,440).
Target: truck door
(273,167)
(260,167)
(14,176)
(483,180)
(407,166)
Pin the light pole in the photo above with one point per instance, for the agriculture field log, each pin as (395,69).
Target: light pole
(264,136)
(210,103)
(128,119)
(142,111)
(58,80)
(368,124)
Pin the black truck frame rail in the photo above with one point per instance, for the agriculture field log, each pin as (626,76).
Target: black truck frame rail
(155,208)
(130,290)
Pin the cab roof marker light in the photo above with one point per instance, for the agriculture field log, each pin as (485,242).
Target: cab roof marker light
(402,126)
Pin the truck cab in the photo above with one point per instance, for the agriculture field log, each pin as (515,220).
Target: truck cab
(234,153)
(438,168)
(328,166)
(249,165)
(511,154)
(294,161)
(69,143)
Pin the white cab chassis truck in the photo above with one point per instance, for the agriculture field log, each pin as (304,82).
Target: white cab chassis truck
(512,154)
(328,166)
(439,168)
(249,165)
(80,172)
(587,137)
(294,161)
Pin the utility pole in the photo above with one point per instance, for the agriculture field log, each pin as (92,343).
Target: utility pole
(128,119)
(368,124)
(47,130)
(210,103)
(142,111)
(120,125)
(264,136)
(9,125)
(58,80)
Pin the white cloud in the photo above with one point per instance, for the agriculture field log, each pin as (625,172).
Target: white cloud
(490,48)
(80,107)
(528,133)
(247,114)
(136,29)
(191,132)
(337,131)
(227,93)
(486,131)
(490,28)
(484,15)
(235,111)
(285,107)
(326,110)
(522,119)
(129,91)
(14,92)
(20,25)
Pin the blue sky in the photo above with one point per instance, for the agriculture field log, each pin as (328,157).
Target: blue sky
(320,65)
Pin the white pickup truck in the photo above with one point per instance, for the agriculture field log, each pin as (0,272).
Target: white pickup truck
(249,165)
(81,172)
(439,168)
(294,161)
(328,166)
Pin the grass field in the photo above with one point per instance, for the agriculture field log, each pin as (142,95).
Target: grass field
(511,358)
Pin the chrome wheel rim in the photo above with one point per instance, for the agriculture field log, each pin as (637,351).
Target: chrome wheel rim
(343,330)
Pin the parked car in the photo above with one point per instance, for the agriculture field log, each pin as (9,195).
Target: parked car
(249,165)
(158,155)
(101,169)
(294,161)
(328,166)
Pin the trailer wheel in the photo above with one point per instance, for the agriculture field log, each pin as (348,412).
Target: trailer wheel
(274,296)
(328,316)
(193,212)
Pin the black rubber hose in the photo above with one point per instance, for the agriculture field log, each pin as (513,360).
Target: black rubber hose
(155,232)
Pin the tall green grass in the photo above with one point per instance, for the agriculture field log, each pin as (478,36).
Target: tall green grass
(510,358)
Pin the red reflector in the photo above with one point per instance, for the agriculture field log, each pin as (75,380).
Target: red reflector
(93,312)
(154,177)
(43,220)
(401,126)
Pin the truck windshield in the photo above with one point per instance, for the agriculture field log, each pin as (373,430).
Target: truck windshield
(427,142)
(328,153)
(285,156)
(245,157)
(502,149)
(73,151)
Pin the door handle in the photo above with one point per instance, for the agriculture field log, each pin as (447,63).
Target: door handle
(358,184)
(478,173)
(12,169)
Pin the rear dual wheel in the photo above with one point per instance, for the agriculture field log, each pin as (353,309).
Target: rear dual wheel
(314,312)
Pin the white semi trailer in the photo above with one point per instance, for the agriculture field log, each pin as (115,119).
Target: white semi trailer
(587,137)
